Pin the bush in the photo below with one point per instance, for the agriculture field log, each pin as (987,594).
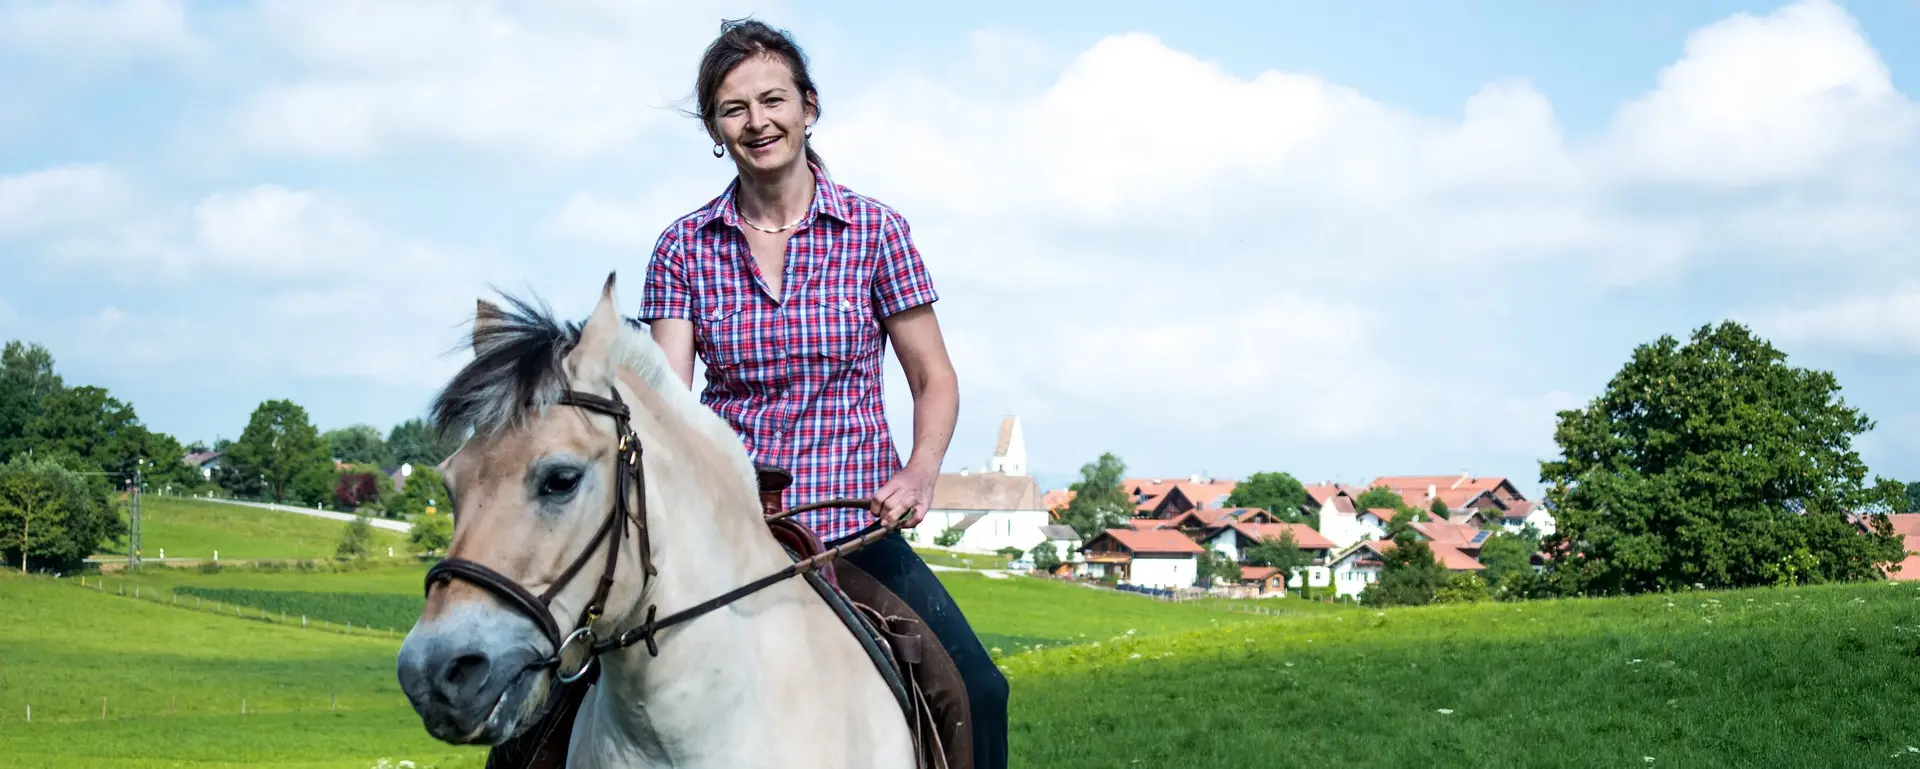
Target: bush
(1463,587)
(949,538)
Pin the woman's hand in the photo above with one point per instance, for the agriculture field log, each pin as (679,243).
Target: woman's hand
(909,493)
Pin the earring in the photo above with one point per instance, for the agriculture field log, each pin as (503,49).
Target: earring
(717,152)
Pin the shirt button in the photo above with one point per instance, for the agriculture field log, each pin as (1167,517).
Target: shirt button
(845,305)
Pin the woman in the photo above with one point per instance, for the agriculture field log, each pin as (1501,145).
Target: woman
(789,285)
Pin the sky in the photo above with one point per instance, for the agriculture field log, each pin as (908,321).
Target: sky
(1338,240)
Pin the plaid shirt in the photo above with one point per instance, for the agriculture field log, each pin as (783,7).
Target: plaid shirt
(798,378)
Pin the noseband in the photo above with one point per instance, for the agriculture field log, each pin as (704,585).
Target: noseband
(629,473)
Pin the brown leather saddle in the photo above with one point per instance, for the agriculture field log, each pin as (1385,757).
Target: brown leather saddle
(916,666)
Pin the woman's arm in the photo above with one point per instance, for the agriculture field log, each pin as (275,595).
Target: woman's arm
(936,405)
(675,337)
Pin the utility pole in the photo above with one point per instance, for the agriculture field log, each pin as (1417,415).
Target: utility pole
(133,535)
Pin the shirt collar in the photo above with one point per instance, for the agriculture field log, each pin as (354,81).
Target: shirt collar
(827,200)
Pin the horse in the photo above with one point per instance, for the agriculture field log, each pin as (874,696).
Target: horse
(576,434)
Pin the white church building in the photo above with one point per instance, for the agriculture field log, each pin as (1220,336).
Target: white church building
(993,509)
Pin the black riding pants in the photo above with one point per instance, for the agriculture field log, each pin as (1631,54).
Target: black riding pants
(893,563)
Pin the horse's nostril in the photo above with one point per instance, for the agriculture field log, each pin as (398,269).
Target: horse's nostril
(463,676)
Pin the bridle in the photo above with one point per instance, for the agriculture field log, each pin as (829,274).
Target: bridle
(630,473)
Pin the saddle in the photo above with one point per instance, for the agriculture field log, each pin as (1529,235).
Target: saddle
(924,679)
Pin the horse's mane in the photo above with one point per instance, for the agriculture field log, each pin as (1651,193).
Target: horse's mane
(518,360)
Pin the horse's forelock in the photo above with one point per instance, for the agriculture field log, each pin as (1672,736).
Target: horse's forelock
(518,361)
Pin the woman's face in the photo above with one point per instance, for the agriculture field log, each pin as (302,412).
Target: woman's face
(761,116)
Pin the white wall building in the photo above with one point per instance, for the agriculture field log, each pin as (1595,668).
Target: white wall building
(991,510)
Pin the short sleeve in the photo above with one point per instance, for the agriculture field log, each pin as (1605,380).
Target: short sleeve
(900,281)
(665,293)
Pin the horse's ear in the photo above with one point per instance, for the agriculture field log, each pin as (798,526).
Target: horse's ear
(604,323)
(485,315)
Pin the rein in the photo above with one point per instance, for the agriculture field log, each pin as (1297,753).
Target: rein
(538,608)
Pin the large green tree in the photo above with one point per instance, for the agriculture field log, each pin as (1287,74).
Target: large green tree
(89,423)
(415,441)
(1409,574)
(1508,558)
(1099,502)
(1714,462)
(53,514)
(282,448)
(1277,493)
(359,444)
(26,379)
(1281,552)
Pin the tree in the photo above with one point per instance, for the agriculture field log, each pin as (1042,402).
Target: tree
(1099,502)
(1212,564)
(1714,462)
(359,444)
(1505,556)
(282,447)
(357,540)
(431,533)
(414,441)
(1282,552)
(424,491)
(1045,558)
(1383,498)
(89,423)
(1913,497)
(1439,509)
(1462,587)
(52,514)
(1409,574)
(1277,493)
(26,379)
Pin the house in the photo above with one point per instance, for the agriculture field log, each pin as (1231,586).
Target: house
(1066,544)
(1265,580)
(1468,498)
(1234,539)
(1159,558)
(1523,514)
(1358,566)
(1160,498)
(991,510)
(1906,526)
(206,462)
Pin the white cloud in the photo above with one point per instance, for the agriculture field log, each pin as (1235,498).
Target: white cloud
(562,80)
(95,34)
(59,198)
(1172,204)
(1756,100)
(1884,323)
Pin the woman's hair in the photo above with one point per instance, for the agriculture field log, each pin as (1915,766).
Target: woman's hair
(740,40)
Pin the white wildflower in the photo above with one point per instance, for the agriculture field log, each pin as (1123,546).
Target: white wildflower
(1446,712)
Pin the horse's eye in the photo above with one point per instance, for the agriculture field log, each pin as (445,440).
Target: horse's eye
(560,483)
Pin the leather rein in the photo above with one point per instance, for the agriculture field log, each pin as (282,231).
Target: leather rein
(630,473)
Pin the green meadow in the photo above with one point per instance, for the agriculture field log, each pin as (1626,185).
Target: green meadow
(196,529)
(1816,676)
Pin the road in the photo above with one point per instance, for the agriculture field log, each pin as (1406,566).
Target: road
(378,523)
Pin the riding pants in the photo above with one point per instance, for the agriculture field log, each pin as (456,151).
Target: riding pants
(892,562)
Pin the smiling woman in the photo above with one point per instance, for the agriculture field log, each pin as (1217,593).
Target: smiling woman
(790,286)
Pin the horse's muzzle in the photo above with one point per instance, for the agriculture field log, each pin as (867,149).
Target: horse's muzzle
(466,689)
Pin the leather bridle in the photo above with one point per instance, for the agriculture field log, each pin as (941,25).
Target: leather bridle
(630,474)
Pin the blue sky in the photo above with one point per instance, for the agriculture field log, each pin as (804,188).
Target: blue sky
(1340,240)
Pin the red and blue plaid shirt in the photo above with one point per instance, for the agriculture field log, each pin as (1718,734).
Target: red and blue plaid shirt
(798,377)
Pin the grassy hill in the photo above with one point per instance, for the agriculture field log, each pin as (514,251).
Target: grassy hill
(189,528)
(1815,676)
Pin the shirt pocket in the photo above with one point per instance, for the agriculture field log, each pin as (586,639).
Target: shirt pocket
(731,334)
(840,322)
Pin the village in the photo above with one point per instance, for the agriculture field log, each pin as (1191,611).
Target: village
(1176,522)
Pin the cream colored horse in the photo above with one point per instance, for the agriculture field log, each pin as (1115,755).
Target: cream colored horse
(773,679)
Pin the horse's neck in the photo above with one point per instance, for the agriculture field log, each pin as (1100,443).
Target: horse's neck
(648,710)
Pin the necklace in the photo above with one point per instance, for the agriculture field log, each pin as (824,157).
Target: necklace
(776,230)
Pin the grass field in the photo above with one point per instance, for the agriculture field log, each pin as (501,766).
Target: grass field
(1818,676)
(189,528)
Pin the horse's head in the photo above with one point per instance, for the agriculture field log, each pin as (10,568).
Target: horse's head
(534,492)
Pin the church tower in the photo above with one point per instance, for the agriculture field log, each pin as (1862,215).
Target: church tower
(1010,452)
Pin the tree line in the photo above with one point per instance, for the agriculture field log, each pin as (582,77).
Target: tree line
(1708,463)
(69,454)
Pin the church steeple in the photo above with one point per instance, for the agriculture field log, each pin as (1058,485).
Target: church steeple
(1010,452)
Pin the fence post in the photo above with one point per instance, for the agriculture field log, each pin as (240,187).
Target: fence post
(29,713)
